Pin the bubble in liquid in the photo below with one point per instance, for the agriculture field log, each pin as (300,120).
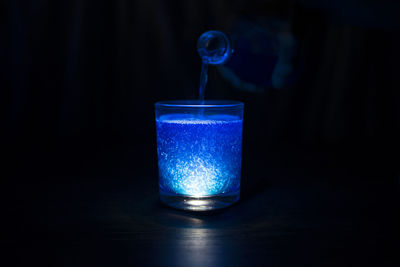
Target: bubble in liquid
(214,47)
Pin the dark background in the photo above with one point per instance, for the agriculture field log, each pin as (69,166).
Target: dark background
(78,82)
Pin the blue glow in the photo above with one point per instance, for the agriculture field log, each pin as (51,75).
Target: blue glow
(199,156)
(214,47)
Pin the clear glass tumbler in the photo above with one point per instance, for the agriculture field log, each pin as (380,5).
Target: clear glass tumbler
(199,146)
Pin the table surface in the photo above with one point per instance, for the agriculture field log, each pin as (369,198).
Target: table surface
(113,217)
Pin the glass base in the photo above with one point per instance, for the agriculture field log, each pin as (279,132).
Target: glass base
(199,203)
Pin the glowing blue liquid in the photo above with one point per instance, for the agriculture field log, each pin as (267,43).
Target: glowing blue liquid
(199,156)
(203,81)
(214,48)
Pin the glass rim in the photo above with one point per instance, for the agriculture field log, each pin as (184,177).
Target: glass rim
(200,104)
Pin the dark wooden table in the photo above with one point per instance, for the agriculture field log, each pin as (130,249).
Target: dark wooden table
(113,217)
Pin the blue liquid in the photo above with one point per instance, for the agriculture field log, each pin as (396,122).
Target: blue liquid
(203,81)
(199,156)
(214,48)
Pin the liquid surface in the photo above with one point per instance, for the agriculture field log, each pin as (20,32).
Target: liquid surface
(199,156)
